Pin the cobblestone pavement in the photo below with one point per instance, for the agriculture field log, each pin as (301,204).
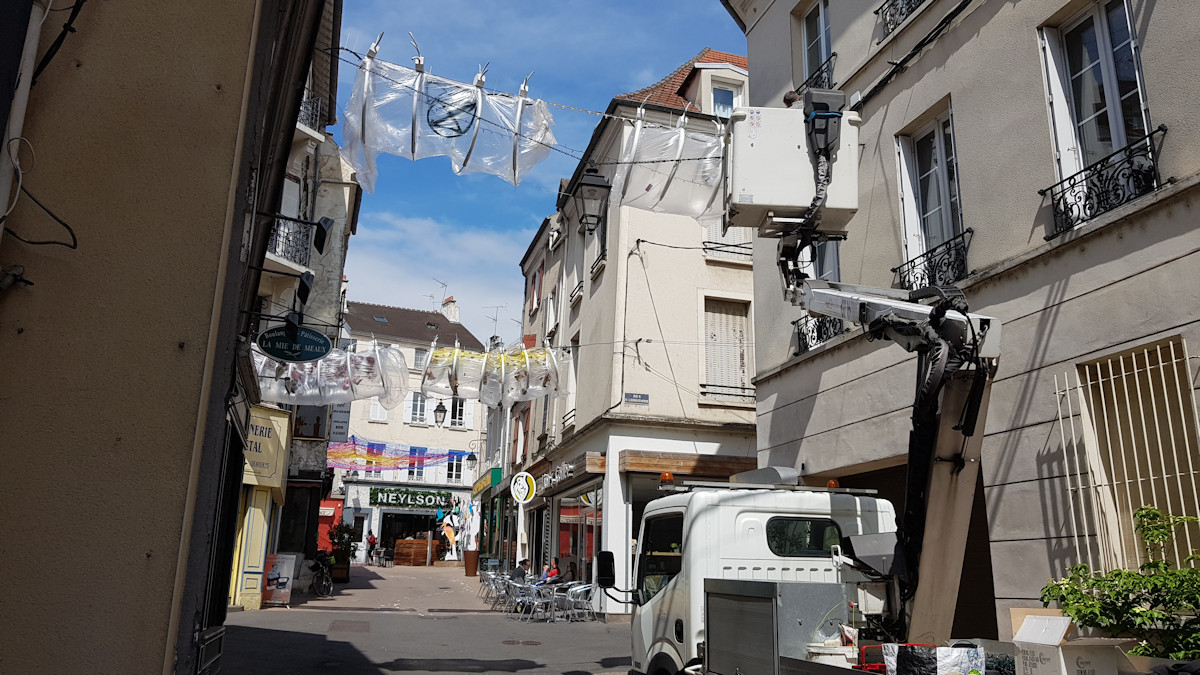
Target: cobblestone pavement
(414,620)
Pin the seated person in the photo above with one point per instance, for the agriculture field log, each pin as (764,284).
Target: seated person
(553,575)
(519,572)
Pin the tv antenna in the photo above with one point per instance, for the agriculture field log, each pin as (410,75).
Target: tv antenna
(443,285)
(495,315)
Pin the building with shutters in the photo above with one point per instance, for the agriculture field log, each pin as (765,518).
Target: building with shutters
(1040,155)
(399,500)
(657,313)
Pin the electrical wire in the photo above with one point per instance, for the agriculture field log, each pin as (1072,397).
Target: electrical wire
(68,27)
(74,241)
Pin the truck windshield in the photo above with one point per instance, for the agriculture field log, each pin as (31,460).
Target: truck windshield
(660,553)
(802,537)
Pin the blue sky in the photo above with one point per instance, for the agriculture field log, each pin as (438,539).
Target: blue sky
(425,223)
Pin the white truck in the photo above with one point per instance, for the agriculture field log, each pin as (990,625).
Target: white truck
(792,573)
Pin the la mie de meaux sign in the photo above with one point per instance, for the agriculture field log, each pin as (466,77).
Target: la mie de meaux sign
(309,345)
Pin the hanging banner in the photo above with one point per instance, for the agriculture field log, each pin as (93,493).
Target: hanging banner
(410,113)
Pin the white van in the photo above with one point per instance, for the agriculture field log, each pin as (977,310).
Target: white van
(738,533)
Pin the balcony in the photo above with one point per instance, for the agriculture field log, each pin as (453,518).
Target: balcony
(813,330)
(893,13)
(568,420)
(292,240)
(598,265)
(726,393)
(312,111)
(1116,179)
(719,249)
(576,294)
(941,265)
(822,77)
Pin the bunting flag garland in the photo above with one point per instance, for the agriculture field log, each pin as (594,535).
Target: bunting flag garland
(359,453)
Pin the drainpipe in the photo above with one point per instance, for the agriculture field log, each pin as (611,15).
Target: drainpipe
(16,113)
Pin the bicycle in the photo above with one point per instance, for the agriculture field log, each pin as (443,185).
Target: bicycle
(322,582)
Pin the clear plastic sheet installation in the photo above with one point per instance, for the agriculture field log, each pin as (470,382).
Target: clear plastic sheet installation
(498,378)
(672,170)
(413,114)
(339,377)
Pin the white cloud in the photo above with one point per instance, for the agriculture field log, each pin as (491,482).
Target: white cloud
(393,260)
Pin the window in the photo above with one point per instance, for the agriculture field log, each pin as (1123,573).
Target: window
(822,261)
(415,411)
(802,537)
(727,351)
(816,38)
(374,460)
(381,319)
(659,554)
(416,463)
(535,290)
(378,412)
(456,412)
(1128,434)
(454,473)
(929,188)
(733,245)
(419,358)
(1093,70)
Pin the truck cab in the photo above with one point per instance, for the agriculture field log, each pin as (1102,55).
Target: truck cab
(795,534)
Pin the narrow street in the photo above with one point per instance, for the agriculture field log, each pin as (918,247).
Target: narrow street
(414,619)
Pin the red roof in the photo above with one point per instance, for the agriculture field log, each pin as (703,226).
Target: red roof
(666,91)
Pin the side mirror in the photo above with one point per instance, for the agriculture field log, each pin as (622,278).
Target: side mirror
(606,569)
(635,596)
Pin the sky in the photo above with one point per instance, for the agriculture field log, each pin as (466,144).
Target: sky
(424,226)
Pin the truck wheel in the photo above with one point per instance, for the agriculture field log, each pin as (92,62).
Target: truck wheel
(662,665)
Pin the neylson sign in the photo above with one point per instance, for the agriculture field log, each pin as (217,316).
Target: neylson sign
(411,498)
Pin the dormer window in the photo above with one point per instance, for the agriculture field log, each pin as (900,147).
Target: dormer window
(726,96)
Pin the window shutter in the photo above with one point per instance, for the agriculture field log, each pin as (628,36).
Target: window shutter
(725,355)
(1066,145)
(469,414)
(914,240)
(378,412)
(408,400)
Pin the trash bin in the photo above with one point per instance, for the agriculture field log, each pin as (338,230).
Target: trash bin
(471,563)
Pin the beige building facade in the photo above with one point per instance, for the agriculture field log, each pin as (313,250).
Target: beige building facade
(161,133)
(1016,150)
(656,311)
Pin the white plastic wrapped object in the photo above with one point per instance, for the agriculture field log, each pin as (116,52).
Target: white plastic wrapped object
(516,376)
(410,113)
(438,369)
(563,358)
(672,170)
(542,370)
(491,385)
(468,373)
(339,377)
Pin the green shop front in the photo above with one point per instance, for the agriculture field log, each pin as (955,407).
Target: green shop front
(395,514)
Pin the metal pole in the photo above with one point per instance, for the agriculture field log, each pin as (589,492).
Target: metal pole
(429,548)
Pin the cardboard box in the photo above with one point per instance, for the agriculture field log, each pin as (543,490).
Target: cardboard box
(1043,650)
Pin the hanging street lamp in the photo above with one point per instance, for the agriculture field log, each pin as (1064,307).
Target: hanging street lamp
(591,199)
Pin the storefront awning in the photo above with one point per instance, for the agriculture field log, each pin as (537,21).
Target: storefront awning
(684,464)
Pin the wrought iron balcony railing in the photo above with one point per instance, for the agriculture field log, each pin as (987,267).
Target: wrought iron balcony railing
(941,265)
(822,77)
(813,330)
(576,293)
(720,249)
(727,393)
(312,109)
(568,420)
(599,263)
(292,240)
(1116,179)
(894,12)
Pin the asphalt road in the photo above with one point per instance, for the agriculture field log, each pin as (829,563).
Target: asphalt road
(414,620)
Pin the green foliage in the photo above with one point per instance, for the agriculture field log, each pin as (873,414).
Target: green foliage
(341,538)
(1157,604)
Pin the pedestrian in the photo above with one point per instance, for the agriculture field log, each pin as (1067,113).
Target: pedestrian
(519,572)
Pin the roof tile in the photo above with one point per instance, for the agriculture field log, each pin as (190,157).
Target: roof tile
(665,92)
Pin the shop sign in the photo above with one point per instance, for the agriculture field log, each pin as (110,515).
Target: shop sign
(523,487)
(637,399)
(411,498)
(309,344)
(277,582)
(486,481)
(339,423)
(559,474)
(266,447)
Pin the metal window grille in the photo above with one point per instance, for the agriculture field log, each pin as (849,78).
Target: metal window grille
(312,111)
(941,265)
(291,239)
(893,13)
(733,245)
(1129,438)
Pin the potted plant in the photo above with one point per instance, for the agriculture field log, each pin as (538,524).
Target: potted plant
(344,543)
(1156,604)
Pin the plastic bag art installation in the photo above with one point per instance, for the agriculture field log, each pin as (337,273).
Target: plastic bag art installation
(411,113)
(339,377)
(498,378)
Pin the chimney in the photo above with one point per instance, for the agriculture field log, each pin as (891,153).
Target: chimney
(450,309)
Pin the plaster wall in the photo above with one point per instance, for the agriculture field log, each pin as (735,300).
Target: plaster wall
(137,139)
(1112,284)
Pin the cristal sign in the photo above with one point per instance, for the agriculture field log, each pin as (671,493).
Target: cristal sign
(309,345)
